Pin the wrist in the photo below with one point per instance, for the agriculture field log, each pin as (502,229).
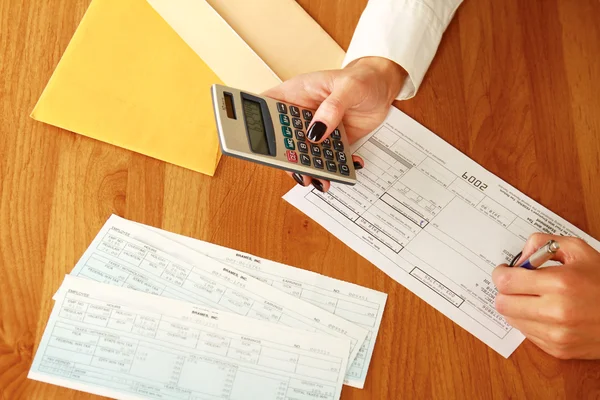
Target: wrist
(386,70)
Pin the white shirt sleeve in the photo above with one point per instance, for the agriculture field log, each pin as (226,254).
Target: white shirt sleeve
(407,32)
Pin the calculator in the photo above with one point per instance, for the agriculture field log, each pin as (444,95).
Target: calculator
(271,132)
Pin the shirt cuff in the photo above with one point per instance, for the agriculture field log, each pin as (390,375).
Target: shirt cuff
(406,32)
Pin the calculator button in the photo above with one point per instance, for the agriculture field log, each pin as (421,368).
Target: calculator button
(336,134)
(339,146)
(289,144)
(297,123)
(307,115)
(315,150)
(292,156)
(304,159)
(294,111)
(287,131)
(284,119)
(341,157)
(344,169)
(331,166)
(326,143)
(300,136)
(306,124)
(318,162)
(282,108)
(328,154)
(302,147)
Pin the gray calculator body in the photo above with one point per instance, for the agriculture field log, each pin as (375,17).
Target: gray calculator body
(271,132)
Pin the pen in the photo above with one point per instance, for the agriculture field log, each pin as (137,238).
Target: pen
(537,259)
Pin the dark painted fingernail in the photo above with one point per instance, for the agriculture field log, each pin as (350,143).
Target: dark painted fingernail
(316,131)
(318,185)
(357,165)
(298,178)
(515,259)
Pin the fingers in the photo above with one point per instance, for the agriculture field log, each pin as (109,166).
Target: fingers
(307,90)
(300,179)
(358,162)
(520,306)
(321,184)
(536,332)
(278,92)
(556,340)
(330,113)
(523,281)
(529,328)
(293,90)
(549,333)
(571,248)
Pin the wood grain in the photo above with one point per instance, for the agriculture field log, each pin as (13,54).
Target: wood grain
(514,86)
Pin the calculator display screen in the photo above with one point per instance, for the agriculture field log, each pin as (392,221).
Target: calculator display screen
(255,126)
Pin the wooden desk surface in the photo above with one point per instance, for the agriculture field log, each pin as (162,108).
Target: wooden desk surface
(514,86)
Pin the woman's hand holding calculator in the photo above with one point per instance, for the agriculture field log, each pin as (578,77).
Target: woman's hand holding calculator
(359,96)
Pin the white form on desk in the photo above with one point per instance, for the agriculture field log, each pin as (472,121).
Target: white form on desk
(355,303)
(129,255)
(435,221)
(127,344)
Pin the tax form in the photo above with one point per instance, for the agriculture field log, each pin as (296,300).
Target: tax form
(126,344)
(126,254)
(435,221)
(355,303)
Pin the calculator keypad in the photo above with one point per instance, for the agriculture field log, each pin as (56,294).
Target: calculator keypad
(282,108)
(287,131)
(329,154)
(292,156)
(289,144)
(302,147)
(315,150)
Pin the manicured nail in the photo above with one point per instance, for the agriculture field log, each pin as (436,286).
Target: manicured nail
(316,131)
(318,185)
(515,259)
(357,165)
(298,178)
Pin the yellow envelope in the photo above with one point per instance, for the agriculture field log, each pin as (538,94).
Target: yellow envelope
(128,79)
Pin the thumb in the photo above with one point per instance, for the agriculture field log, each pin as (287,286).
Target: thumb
(329,114)
(571,248)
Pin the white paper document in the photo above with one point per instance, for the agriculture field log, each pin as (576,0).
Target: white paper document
(127,344)
(435,221)
(126,254)
(355,303)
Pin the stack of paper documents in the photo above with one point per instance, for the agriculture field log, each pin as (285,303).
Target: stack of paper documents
(137,73)
(147,313)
